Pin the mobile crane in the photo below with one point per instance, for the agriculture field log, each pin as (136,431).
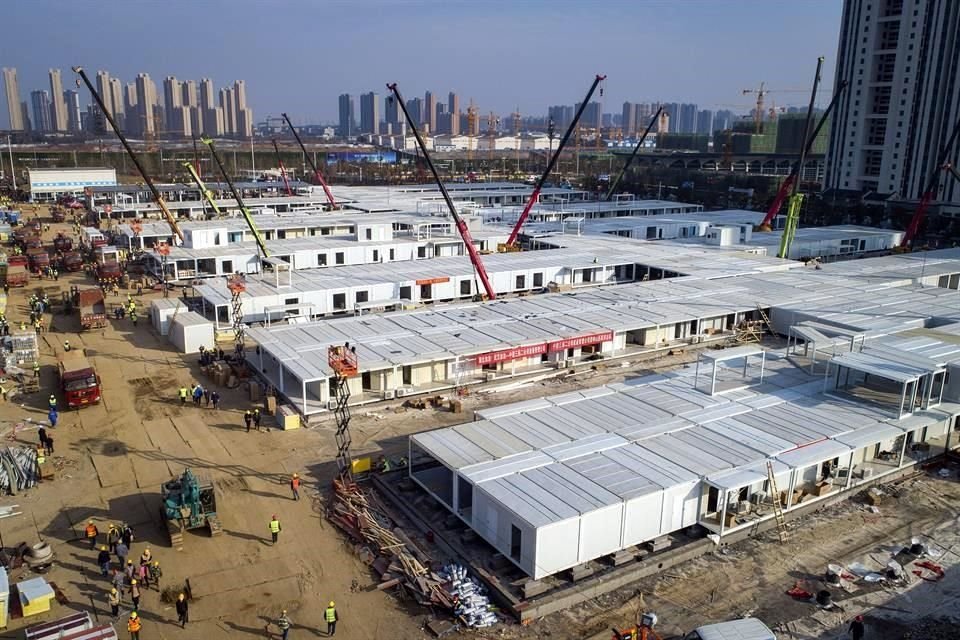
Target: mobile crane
(461,224)
(767,223)
(157,198)
(796,198)
(316,171)
(207,195)
(283,171)
(633,156)
(930,189)
(553,161)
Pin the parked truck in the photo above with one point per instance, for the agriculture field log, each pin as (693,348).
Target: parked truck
(39,259)
(73,261)
(92,309)
(79,382)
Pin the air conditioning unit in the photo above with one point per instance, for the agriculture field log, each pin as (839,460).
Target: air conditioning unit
(401,392)
(696,339)
(388,394)
(490,376)
(758,497)
(331,405)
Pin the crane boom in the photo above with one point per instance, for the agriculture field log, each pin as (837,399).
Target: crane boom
(157,198)
(203,188)
(795,171)
(283,171)
(796,198)
(553,161)
(633,156)
(236,195)
(313,165)
(929,190)
(460,222)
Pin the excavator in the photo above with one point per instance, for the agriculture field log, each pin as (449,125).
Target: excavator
(511,243)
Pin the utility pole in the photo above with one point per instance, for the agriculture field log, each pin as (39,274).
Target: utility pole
(13,174)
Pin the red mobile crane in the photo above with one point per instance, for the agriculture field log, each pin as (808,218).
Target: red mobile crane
(553,161)
(283,171)
(460,222)
(774,209)
(931,189)
(316,171)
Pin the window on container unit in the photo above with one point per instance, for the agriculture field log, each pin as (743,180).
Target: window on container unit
(369,234)
(466,287)
(392,254)
(521,282)
(376,255)
(363,296)
(515,542)
(538,279)
(338,258)
(339,301)
(321,259)
(421,252)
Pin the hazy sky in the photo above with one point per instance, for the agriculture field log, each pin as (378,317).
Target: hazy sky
(298,56)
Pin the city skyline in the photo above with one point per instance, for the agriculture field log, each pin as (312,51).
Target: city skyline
(527,69)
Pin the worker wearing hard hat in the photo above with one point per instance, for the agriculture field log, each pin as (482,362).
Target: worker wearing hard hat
(91,532)
(113,599)
(274,529)
(330,615)
(295,486)
(283,622)
(134,625)
(183,610)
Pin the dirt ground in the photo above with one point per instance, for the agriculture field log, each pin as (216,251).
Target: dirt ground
(112,458)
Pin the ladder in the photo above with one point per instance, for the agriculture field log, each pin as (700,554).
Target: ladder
(766,320)
(777,507)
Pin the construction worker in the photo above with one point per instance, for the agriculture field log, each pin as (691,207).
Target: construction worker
(126,534)
(135,594)
(183,611)
(52,402)
(274,529)
(36,369)
(122,550)
(256,418)
(53,416)
(330,615)
(156,573)
(66,343)
(133,316)
(284,623)
(856,628)
(215,399)
(183,396)
(146,557)
(143,576)
(113,537)
(49,446)
(133,626)
(113,599)
(91,534)
(130,570)
(248,418)
(295,486)
(103,559)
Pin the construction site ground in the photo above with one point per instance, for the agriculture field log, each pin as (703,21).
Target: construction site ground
(112,458)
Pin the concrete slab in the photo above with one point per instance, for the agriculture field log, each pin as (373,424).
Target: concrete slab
(112,470)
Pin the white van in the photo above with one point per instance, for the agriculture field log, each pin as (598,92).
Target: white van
(744,629)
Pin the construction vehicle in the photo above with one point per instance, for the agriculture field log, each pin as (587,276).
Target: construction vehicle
(461,224)
(344,364)
(633,156)
(187,503)
(535,195)
(62,243)
(79,382)
(930,190)
(207,194)
(283,170)
(313,165)
(72,261)
(157,198)
(261,245)
(39,259)
(91,308)
(17,275)
(767,223)
(796,198)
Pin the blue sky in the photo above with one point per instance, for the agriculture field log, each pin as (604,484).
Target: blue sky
(298,56)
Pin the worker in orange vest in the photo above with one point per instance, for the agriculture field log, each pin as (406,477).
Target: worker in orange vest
(91,534)
(295,486)
(134,625)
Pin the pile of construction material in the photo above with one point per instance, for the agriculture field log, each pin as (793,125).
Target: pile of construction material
(471,603)
(399,563)
(18,469)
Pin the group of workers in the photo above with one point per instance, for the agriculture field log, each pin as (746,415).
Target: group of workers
(199,394)
(252,417)
(330,616)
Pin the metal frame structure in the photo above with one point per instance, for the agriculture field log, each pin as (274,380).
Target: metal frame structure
(237,284)
(343,362)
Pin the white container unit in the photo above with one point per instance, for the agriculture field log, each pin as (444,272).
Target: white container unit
(189,331)
(162,310)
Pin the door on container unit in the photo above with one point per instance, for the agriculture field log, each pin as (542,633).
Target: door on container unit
(426,291)
(227,267)
(516,542)
(407,374)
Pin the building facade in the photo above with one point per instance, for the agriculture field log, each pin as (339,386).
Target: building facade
(12,89)
(40,101)
(346,111)
(58,113)
(369,113)
(902,60)
(71,99)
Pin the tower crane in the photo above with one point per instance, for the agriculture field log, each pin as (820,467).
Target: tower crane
(534,196)
(316,171)
(796,198)
(762,92)
(461,224)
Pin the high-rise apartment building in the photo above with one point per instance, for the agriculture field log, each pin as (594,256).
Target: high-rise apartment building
(705,122)
(243,115)
(172,106)
(391,111)
(628,119)
(12,89)
(229,107)
(116,100)
(415,108)
(146,101)
(902,61)
(71,100)
(40,100)
(562,116)
(58,113)
(688,118)
(348,123)
(430,107)
(453,108)
(369,113)
(212,115)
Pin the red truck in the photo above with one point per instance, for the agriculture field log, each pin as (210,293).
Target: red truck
(39,259)
(73,261)
(79,382)
(93,309)
(17,275)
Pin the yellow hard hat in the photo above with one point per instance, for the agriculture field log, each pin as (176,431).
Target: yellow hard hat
(156,563)
(129,561)
(134,581)
(102,548)
(331,604)
(296,475)
(113,590)
(284,611)
(180,597)
(91,522)
(133,615)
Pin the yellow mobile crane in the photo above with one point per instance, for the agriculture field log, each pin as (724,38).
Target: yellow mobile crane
(208,196)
